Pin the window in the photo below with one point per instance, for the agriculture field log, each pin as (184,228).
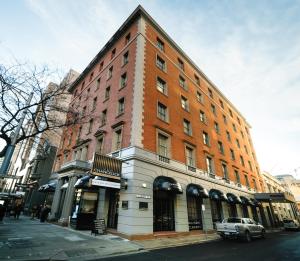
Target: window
(221,147)
(230,112)
(127,38)
(99,145)
(98,83)
(103,117)
(184,103)
(254,184)
(90,127)
(199,97)
(160,44)
(217,128)
(202,117)
(91,76)
(123,80)
(162,111)
(121,106)
(107,92)
(247,130)
(250,165)
(101,66)
(246,180)
(206,140)
(213,109)
(94,103)
(87,93)
(245,147)
(79,132)
(113,53)
(237,177)
(163,145)
(238,143)
(83,111)
(161,85)
(234,127)
(197,79)
(110,72)
(225,119)
(224,171)
(180,64)
(160,63)
(232,154)
(242,133)
(117,139)
(187,127)
(210,93)
(190,156)
(125,58)
(182,82)
(238,119)
(228,136)
(209,165)
(242,160)
(82,85)
(221,103)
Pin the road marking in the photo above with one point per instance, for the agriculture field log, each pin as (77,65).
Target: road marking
(74,238)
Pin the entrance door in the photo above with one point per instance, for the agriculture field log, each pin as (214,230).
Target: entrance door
(232,212)
(194,205)
(112,219)
(245,211)
(163,211)
(216,210)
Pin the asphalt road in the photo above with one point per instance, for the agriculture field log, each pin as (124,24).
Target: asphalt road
(277,246)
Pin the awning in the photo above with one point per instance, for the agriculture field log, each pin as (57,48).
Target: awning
(167,184)
(246,201)
(196,191)
(82,182)
(254,202)
(49,187)
(233,199)
(65,186)
(217,195)
(275,197)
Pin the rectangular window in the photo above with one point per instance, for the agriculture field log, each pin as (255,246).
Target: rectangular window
(182,83)
(213,109)
(228,136)
(242,160)
(224,171)
(99,145)
(180,64)
(234,127)
(87,94)
(121,106)
(160,63)
(245,147)
(217,128)
(250,165)
(83,111)
(206,139)
(209,165)
(254,184)
(91,76)
(202,117)
(232,154)
(107,93)
(197,80)
(247,181)
(184,103)
(162,111)
(190,156)
(103,117)
(123,80)
(163,145)
(94,103)
(221,103)
(127,38)
(160,44)
(82,85)
(237,177)
(101,66)
(238,143)
(225,119)
(90,127)
(110,72)
(187,127)
(230,112)
(238,119)
(113,53)
(199,97)
(161,85)
(117,145)
(210,93)
(125,58)
(98,83)
(221,147)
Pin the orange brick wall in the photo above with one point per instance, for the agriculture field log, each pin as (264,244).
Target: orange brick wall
(177,114)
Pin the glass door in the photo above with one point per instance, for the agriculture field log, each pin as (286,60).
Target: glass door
(194,205)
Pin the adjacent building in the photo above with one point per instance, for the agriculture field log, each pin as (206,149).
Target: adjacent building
(186,151)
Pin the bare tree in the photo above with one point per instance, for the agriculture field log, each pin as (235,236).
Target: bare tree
(16,83)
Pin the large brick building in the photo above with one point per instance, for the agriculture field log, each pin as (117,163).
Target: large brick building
(187,153)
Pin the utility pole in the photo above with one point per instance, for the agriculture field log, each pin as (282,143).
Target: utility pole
(11,147)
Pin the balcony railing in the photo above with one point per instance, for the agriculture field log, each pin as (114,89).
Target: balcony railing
(163,159)
(191,168)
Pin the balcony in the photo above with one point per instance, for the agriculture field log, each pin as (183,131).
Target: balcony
(163,159)
(75,164)
(191,168)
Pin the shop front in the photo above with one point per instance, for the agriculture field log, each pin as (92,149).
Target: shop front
(245,203)
(233,201)
(216,198)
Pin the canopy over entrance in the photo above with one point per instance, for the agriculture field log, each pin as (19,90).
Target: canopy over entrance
(196,191)
(275,197)
(163,183)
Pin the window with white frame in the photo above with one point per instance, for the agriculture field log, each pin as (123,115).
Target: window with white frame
(217,128)
(103,117)
(117,139)
(232,155)
(184,103)
(182,82)
(202,116)
(224,171)
(161,85)
(125,58)
(123,80)
(110,72)
(237,177)
(187,128)
(162,111)
(209,165)
(99,144)
(160,44)
(121,106)
(221,147)
(200,97)
(163,145)
(160,63)
(190,156)
(206,139)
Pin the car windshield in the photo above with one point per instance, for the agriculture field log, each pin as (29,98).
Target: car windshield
(287,221)
(233,220)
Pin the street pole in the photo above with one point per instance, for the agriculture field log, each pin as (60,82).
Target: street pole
(11,147)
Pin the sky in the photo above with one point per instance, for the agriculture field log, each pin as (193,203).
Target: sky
(249,49)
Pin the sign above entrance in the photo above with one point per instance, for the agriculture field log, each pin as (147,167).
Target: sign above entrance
(108,167)
(104,183)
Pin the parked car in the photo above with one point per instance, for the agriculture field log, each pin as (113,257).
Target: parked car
(240,228)
(290,224)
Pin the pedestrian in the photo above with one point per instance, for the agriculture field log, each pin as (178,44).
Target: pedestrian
(2,212)
(44,213)
(18,209)
(33,211)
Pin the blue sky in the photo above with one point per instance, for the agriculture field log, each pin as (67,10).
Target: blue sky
(249,49)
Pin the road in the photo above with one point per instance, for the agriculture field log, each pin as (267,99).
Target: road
(277,246)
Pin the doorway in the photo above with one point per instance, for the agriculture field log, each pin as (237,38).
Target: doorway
(113,208)
(194,206)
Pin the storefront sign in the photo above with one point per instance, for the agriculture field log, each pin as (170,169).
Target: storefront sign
(143,196)
(105,166)
(104,183)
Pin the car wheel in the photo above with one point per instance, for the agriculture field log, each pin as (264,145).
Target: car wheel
(263,234)
(247,236)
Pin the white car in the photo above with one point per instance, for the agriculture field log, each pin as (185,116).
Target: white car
(290,224)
